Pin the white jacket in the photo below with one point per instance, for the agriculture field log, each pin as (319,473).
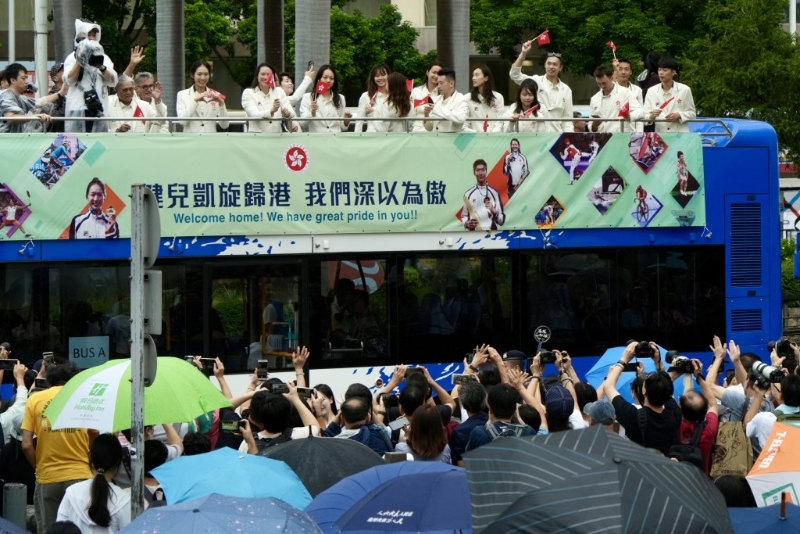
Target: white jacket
(557,99)
(387,110)
(12,418)
(326,110)
(453,110)
(75,507)
(678,100)
(529,125)
(479,111)
(118,109)
(608,107)
(258,105)
(188,107)
(380,100)
(420,93)
(300,91)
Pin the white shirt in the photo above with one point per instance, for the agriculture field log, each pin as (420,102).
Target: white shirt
(377,100)
(421,93)
(92,79)
(515,167)
(479,111)
(609,106)
(454,110)
(300,432)
(326,110)
(300,91)
(636,90)
(387,110)
(529,124)
(118,109)
(187,106)
(75,507)
(677,100)
(90,226)
(476,196)
(258,105)
(12,418)
(556,98)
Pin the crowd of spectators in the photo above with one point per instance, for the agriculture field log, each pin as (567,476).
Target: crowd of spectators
(391,103)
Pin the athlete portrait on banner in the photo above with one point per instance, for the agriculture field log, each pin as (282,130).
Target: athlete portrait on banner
(95,223)
(483,208)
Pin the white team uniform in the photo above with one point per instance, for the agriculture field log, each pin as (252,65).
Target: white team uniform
(375,101)
(118,109)
(530,124)
(636,90)
(421,93)
(556,98)
(476,196)
(453,110)
(90,226)
(211,110)
(257,106)
(11,213)
(595,146)
(609,106)
(326,110)
(480,111)
(678,100)
(515,167)
(387,110)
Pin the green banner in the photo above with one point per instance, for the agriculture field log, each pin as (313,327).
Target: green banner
(77,187)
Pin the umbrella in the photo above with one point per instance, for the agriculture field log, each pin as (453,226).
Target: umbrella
(332,503)
(100,397)
(215,514)
(766,520)
(7,527)
(587,480)
(231,473)
(777,468)
(423,502)
(322,462)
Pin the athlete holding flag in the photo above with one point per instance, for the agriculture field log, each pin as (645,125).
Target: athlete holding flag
(670,100)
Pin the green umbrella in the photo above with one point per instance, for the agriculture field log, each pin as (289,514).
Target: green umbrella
(100,397)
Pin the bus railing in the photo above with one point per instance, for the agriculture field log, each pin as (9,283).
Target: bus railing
(172,122)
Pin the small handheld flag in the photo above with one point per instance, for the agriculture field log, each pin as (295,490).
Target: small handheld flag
(322,87)
(409,85)
(625,111)
(420,102)
(543,38)
(139,113)
(530,112)
(664,105)
(271,80)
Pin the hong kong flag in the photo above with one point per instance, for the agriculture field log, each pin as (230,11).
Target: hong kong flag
(322,87)
(420,102)
(409,85)
(530,112)
(139,114)
(613,46)
(543,38)
(625,111)
(271,80)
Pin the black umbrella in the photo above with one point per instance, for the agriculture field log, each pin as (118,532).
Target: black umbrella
(588,480)
(322,462)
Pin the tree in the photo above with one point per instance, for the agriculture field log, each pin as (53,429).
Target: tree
(745,65)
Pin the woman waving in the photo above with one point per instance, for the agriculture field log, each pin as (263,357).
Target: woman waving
(264,103)
(374,97)
(484,103)
(325,102)
(201,101)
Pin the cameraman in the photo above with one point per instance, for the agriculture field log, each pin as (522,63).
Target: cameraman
(759,424)
(89,73)
(735,398)
(659,416)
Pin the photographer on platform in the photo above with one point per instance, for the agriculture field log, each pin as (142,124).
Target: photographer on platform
(656,424)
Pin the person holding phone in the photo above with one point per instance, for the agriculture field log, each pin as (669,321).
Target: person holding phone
(325,102)
(295,94)
(11,418)
(423,94)
(265,103)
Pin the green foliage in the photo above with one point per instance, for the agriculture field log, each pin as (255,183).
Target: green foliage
(119,20)
(790,285)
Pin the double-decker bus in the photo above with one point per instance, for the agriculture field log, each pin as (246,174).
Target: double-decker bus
(376,250)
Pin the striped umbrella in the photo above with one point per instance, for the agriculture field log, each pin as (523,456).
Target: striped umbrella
(587,480)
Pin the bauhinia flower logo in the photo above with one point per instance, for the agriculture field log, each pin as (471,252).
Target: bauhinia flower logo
(296,158)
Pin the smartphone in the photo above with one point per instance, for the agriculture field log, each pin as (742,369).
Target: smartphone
(208,365)
(631,367)
(470,357)
(398,423)
(230,426)
(8,365)
(729,375)
(305,393)
(40,383)
(461,379)
(277,387)
(262,369)
(48,359)
(310,65)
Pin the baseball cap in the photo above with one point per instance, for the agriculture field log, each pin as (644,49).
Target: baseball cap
(514,355)
(601,412)
(6,345)
(559,402)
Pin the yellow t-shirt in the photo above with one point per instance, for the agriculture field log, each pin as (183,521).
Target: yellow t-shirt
(61,455)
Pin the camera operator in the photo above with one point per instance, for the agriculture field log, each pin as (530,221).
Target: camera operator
(759,424)
(697,410)
(89,73)
(656,424)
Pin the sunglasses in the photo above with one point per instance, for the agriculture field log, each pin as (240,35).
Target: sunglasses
(554,54)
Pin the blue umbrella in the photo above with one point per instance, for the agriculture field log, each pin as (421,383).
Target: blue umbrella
(7,527)
(329,506)
(424,502)
(767,519)
(231,473)
(217,514)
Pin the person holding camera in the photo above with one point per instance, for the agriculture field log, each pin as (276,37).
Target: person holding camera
(759,424)
(699,417)
(656,424)
(89,74)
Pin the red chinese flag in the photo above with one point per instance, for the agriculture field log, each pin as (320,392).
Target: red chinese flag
(139,114)
(530,112)
(664,105)
(613,46)
(543,38)
(271,80)
(410,85)
(322,87)
(625,111)
(420,102)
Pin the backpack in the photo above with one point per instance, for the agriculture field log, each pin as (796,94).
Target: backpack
(510,431)
(265,443)
(792,419)
(690,452)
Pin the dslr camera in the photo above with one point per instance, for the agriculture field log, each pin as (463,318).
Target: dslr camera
(642,349)
(94,107)
(547,356)
(783,348)
(678,363)
(764,375)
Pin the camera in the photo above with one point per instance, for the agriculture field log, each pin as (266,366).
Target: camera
(547,356)
(8,365)
(642,349)
(764,375)
(678,363)
(305,393)
(230,426)
(94,107)
(278,387)
(208,366)
(783,347)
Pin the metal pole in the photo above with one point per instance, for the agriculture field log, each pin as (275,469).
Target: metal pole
(40,45)
(15,510)
(12,32)
(137,348)
(793,20)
